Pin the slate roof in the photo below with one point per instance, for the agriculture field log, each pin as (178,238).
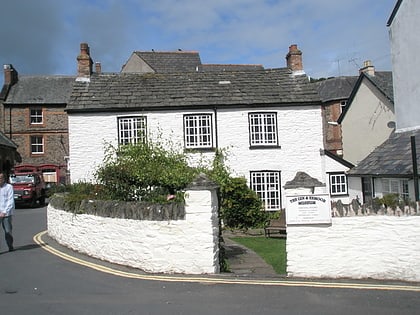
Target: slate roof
(128,91)
(337,88)
(382,80)
(6,142)
(229,67)
(41,90)
(164,62)
(393,158)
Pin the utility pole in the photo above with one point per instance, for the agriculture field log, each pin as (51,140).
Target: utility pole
(415,170)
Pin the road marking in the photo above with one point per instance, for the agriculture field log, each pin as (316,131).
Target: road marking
(219,279)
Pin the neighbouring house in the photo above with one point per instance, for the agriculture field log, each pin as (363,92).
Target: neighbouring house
(393,166)
(268,121)
(162,62)
(334,93)
(176,61)
(34,118)
(368,119)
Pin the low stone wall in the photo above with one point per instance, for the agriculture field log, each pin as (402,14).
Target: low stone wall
(153,243)
(358,244)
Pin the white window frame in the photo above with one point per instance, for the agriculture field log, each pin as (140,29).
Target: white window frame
(267,185)
(37,144)
(338,184)
(198,131)
(36,114)
(395,186)
(263,129)
(132,129)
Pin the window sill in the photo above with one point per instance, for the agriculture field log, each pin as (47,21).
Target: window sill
(199,150)
(265,147)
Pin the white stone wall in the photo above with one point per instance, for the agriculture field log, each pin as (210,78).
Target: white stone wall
(379,247)
(178,246)
(299,132)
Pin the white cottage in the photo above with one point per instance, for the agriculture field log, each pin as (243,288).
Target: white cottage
(268,120)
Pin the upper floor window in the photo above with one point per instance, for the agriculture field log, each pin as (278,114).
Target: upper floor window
(338,184)
(263,129)
(36,116)
(267,185)
(37,144)
(198,131)
(132,129)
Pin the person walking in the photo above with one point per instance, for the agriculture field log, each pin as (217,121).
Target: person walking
(7,207)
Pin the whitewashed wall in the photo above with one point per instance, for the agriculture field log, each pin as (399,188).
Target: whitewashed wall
(379,247)
(299,131)
(405,47)
(177,246)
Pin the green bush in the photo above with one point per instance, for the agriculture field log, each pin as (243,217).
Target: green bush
(240,208)
(144,171)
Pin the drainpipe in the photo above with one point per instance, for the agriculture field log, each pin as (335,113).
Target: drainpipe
(415,170)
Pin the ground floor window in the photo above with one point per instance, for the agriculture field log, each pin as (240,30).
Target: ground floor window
(338,184)
(395,186)
(267,185)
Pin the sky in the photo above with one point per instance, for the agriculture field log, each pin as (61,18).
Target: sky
(42,37)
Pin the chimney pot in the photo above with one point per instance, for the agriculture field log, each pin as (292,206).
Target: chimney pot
(368,68)
(98,67)
(294,60)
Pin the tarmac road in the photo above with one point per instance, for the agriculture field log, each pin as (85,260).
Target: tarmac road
(33,280)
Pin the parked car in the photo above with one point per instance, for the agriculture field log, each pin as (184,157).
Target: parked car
(28,188)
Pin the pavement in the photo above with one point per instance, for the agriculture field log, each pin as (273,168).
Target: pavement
(242,261)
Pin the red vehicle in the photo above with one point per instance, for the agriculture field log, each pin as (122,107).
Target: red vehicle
(28,188)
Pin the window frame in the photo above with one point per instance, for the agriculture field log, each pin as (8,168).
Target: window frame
(131,138)
(199,140)
(266,193)
(263,138)
(338,184)
(402,184)
(33,145)
(36,116)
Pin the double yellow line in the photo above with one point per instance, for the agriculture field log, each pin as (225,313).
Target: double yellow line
(221,280)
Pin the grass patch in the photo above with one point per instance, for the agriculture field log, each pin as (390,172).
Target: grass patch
(272,250)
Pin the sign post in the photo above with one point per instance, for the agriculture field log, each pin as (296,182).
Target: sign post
(308,209)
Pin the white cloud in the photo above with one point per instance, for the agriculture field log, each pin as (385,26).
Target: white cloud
(43,37)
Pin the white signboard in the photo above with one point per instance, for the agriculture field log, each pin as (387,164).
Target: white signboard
(308,209)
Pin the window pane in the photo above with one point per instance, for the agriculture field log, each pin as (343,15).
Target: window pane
(37,144)
(198,131)
(338,184)
(263,129)
(36,116)
(267,186)
(132,129)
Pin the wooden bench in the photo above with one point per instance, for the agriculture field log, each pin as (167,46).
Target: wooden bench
(276,226)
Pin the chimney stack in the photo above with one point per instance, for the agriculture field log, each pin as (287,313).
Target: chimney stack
(10,75)
(368,68)
(98,67)
(294,60)
(84,63)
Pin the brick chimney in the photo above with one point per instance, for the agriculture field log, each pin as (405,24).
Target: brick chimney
(294,60)
(84,63)
(10,75)
(368,68)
